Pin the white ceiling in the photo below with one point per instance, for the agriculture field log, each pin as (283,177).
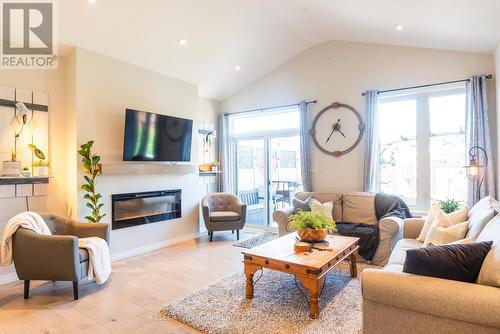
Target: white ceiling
(260,35)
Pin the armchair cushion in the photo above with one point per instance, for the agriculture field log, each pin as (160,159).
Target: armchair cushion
(83,255)
(224,216)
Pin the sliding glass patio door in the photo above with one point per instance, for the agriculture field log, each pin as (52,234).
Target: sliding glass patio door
(267,175)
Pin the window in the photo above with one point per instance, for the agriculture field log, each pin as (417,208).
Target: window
(422,146)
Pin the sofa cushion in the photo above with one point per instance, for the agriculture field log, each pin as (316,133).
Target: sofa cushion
(224,216)
(398,254)
(359,207)
(490,270)
(323,198)
(480,214)
(455,262)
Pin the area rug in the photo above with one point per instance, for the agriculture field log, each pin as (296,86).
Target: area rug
(277,307)
(257,240)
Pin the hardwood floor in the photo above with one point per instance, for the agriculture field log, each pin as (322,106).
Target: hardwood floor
(137,289)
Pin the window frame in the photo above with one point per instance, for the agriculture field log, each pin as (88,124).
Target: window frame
(423,135)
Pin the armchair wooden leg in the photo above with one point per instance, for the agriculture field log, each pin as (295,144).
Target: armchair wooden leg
(211,235)
(237,234)
(26,289)
(75,290)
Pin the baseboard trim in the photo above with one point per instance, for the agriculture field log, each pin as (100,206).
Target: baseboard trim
(8,278)
(12,277)
(151,247)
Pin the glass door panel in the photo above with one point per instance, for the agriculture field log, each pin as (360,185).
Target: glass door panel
(284,172)
(251,185)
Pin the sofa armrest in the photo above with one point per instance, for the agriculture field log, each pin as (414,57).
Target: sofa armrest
(281,218)
(86,230)
(474,303)
(46,257)
(412,227)
(390,232)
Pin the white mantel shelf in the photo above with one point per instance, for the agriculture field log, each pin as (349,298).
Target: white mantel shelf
(147,168)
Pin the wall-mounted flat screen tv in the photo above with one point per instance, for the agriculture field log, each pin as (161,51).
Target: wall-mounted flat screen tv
(155,137)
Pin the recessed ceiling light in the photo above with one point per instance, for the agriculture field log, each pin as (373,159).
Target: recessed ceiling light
(182,42)
(399,27)
(237,68)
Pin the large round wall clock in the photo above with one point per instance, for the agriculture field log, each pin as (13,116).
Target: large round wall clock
(337,129)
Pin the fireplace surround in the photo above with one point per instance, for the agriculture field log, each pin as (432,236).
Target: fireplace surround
(139,208)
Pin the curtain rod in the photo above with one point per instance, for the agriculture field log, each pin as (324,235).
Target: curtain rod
(489,76)
(267,108)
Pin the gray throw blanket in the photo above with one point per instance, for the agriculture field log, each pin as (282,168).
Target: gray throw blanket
(385,206)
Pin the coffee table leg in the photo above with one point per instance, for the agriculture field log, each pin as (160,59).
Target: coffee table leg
(313,286)
(250,270)
(354,266)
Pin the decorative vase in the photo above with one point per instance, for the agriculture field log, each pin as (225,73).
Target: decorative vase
(311,235)
(215,168)
(12,168)
(26,173)
(42,171)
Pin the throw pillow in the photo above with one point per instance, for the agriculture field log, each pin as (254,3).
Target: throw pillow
(468,240)
(326,208)
(433,212)
(455,262)
(302,205)
(480,214)
(454,217)
(444,232)
(490,271)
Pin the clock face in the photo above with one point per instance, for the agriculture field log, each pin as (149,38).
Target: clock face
(337,129)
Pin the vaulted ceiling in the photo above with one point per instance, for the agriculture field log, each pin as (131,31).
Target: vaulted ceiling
(259,35)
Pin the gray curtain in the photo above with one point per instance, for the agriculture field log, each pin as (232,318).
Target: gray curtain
(477,133)
(225,182)
(371,177)
(305,148)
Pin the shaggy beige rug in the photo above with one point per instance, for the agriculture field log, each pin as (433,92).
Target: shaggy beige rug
(277,307)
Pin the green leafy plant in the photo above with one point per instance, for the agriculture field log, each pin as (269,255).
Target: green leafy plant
(26,169)
(312,220)
(215,163)
(42,161)
(449,205)
(91,166)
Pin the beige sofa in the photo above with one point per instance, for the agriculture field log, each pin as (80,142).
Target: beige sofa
(397,302)
(354,207)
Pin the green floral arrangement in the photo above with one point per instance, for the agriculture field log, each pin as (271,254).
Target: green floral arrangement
(449,205)
(311,220)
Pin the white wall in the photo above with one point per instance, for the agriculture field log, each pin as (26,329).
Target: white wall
(105,87)
(340,71)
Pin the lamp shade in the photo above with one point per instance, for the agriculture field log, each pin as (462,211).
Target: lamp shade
(473,169)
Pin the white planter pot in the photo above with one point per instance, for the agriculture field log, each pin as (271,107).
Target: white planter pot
(215,168)
(41,171)
(11,168)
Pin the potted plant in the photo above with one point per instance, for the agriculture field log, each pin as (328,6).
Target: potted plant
(449,205)
(41,166)
(215,165)
(26,172)
(91,167)
(311,226)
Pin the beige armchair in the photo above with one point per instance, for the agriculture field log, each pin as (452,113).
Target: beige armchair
(223,212)
(54,257)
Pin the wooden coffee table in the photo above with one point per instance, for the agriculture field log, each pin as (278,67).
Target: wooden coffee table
(310,268)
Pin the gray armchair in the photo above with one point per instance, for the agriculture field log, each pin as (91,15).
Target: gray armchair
(54,257)
(223,212)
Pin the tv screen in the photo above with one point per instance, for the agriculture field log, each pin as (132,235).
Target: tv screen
(154,137)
